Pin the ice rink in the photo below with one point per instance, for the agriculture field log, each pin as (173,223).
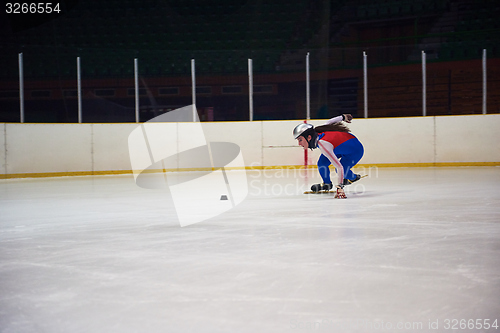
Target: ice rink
(409,250)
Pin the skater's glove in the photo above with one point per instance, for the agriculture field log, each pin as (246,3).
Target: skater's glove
(340,194)
(347,117)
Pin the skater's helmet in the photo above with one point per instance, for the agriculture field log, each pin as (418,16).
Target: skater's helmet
(304,130)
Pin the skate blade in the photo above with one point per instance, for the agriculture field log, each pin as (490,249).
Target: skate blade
(330,191)
(357,180)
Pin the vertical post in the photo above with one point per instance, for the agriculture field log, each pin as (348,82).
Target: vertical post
(424,86)
(193,88)
(365,83)
(308,90)
(136,80)
(250,89)
(79,88)
(21,87)
(308,107)
(484,81)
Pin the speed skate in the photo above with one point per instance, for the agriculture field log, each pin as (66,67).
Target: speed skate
(331,190)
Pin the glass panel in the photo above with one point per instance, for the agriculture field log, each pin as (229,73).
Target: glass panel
(222,35)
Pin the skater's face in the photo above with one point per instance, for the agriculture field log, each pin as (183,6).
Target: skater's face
(303,142)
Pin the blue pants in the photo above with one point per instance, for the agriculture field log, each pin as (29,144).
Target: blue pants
(349,153)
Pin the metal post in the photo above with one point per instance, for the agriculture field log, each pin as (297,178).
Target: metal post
(484,81)
(136,79)
(21,87)
(308,90)
(193,88)
(424,86)
(250,89)
(365,83)
(79,88)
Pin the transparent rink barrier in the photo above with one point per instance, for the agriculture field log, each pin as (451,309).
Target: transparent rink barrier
(455,81)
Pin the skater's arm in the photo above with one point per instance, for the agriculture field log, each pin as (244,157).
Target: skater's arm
(327,150)
(343,117)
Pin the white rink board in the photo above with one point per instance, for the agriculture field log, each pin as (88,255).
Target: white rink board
(279,133)
(45,148)
(468,138)
(282,156)
(388,140)
(2,149)
(247,135)
(162,140)
(396,140)
(110,146)
(48,148)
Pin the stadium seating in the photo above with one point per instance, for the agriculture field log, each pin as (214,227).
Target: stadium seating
(218,29)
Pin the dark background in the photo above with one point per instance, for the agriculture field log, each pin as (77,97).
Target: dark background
(221,35)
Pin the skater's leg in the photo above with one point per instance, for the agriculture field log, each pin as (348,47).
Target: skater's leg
(350,153)
(323,168)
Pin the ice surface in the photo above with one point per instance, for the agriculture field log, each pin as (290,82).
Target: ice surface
(408,248)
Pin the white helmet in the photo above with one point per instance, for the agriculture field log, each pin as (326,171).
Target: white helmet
(301,128)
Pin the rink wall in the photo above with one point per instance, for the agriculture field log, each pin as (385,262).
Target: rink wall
(38,150)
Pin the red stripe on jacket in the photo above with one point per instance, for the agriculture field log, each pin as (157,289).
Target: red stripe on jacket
(337,138)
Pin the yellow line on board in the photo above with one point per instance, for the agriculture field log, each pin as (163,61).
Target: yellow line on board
(249,168)
(423,165)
